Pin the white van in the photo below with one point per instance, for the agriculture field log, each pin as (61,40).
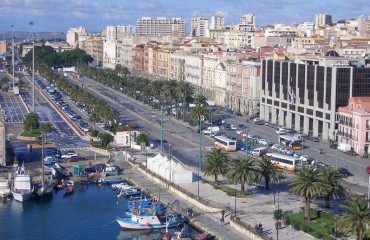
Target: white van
(259,152)
(281,131)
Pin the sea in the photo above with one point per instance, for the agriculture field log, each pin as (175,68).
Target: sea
(89,213)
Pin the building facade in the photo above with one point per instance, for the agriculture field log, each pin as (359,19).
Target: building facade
(160,26)
(354,124)
(323,19)
(306,96)
(199,26)
(2,46)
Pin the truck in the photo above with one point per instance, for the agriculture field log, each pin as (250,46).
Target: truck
(259,152)
(344,147)
(210,130)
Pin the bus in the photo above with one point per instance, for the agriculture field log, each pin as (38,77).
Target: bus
(292,142)
(226,144)
(284,162)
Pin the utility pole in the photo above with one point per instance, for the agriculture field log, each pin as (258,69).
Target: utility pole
(33,67)
(161,129)
(13,57)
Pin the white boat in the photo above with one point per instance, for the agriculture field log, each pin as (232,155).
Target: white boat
(144,221)
(4,188)
(22,187)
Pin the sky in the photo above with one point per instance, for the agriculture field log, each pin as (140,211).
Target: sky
(95,15)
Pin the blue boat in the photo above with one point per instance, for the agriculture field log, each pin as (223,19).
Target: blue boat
(144,221)
(112,181)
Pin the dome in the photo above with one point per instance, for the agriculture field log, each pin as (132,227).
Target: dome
(332,53)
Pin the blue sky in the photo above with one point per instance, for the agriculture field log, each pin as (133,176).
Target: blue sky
(59,15)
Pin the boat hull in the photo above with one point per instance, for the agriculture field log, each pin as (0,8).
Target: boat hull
(22,197)
(5,193)
(128,224)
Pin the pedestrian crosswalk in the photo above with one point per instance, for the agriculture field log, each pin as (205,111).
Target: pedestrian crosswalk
(74,148)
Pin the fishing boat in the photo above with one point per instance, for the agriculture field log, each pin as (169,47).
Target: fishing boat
(110,170)
(111,181)
(129,192)
(69,188)
(4,188)
(60,172)
(144,221)
(22,188)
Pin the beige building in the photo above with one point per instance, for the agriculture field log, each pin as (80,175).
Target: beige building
(94,47)
(2,46)
(160,26)
(74,35)
(199,26)
(2,142)
(322,19)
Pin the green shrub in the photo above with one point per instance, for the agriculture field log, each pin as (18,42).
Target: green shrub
(296,226)
(328,216)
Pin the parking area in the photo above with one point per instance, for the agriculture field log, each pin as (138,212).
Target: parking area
(12,108)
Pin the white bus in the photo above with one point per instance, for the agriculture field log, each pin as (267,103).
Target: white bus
(285,162)
(226,144)
(292,142)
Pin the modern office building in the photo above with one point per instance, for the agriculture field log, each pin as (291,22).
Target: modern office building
(199,26)
(354,124)
(160,26)
(322,19)
(305,94)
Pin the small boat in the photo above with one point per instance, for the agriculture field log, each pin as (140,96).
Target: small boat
(112,181)
(69,188)
(144,221)
(129,192)
(110,170)
(121,186)
(22,188)
(4,188)
(44,190)
(60,172)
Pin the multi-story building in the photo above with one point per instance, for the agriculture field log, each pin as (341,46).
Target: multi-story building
(93,46)
(322,19)
(2,142)
(138,59)
(2,47)
(354,124)
(217,22)
(199,26)
(305,95)
(363,25)
(247,22)
(160,26)
(74,35)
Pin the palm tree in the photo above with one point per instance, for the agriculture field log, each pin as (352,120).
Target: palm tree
(184,90)
(269,172)
(357,218)
(334,180)
(200,99)
(46,128)
(216,163)
(243,171)
(308,183)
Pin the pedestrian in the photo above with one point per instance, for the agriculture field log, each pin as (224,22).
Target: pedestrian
(222,222)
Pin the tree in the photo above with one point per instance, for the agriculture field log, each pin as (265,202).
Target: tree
(31,122)
(184,90)
(243,171)
(309,184)
(40,52)
(142,138)
(105,139)
(200,100)
(3,81)
(46,128)
(94,133)
(357,218)
(269,172)
(216,163)
(334,181)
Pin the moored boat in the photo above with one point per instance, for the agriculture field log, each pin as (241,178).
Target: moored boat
(112,181)
(145,221)
(4,188)
(22,188)
(69,188)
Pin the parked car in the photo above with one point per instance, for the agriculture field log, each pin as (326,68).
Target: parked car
(69,155)
(351,153)
(345,172)
(259,122)
(314,139)
(333,146)
(264,142)
(233,127)
(241,126)
(368,169)
(76,159)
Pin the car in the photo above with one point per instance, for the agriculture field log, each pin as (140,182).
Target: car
(233,127)
(333,146)
(368,169)
(241,126)
(264,142)
(345,172)
(259,123)
(351,153)
(76,159)
(314,139)
(214,134)
(69,155)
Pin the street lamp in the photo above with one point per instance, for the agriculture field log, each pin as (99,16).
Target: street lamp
(246,142)
(33,68)
(235,201)
(200,150)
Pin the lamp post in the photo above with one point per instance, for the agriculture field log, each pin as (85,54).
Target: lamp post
(13,57)
(161,128)
(200,151)
(246,142)
(235,201)
(33,69)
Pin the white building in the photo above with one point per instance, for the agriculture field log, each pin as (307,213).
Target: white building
(247,22)
(322,19)
(74,35)
(160,26)
(217,22)
(200,26)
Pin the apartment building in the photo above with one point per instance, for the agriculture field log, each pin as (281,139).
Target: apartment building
(160,26)
(305,95)
(217,22)
(74,35)
(200,26)
(93,46)
(322,19)
(2,47)
(247,23)
(354,124)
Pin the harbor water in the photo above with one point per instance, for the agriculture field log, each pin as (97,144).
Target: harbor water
(89,213)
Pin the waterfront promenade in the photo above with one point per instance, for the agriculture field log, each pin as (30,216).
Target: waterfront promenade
(255,209)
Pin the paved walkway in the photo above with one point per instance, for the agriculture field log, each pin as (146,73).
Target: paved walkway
(258,208)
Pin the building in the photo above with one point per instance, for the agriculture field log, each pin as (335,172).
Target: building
(2,46)
(322,19)
(199,26)
(354,124)
(305,95)
(2,142)
(247,22)
(94,47)
(160,26)
(217,22)
(74,35)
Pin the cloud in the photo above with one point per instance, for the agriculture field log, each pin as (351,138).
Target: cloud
(79,14)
